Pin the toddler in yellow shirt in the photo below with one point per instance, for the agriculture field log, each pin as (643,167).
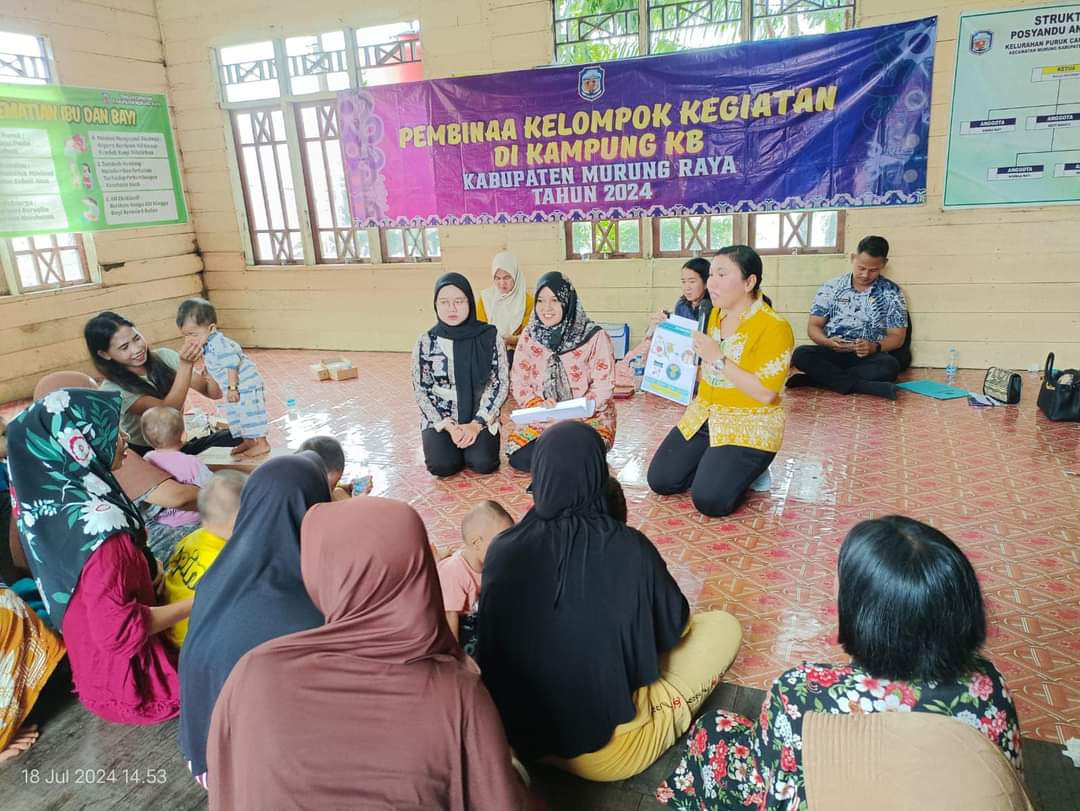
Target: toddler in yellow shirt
(219,502)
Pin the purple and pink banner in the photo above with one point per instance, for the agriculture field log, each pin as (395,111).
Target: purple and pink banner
(832,121)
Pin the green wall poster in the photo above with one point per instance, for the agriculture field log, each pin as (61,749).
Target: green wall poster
(1014,133)
(80,159)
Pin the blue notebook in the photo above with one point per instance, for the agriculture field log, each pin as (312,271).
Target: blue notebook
(931,388)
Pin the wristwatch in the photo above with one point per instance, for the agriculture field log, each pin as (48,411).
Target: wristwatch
(878,345)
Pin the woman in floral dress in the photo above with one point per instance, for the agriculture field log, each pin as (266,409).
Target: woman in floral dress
(911,618)
(86,545)
(563,355)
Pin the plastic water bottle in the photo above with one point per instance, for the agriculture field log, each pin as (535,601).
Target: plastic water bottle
(950,366)
(290,403)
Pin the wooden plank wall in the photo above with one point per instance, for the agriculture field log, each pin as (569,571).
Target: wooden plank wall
(1000,285)
(146,271)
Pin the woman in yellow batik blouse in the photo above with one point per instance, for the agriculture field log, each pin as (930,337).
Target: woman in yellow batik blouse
(732,430)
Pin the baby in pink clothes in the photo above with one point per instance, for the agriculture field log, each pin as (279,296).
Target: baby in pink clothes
(459,574)
(164,429)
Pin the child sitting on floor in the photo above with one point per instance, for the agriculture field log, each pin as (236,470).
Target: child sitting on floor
(234,373)
(333,457)
(163,428)
(219,502)
(459,574)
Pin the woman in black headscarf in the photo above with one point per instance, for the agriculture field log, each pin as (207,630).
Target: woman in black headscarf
(459,376)
(252,593)
(563,355)
(586,642)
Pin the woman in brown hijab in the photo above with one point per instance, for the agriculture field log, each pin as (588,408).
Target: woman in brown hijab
(376,709)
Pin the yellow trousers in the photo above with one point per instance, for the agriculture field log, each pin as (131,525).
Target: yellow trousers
(689,673)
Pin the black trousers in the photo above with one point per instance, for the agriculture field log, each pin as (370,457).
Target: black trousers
(521,459)
(717,478)
(8,573)
(443,458)
(218,439)
(840,371)
(54,696)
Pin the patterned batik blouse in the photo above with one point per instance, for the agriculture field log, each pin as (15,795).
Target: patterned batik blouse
(761,345)
(435,387)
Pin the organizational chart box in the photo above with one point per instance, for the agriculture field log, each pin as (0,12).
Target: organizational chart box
(1046,122)
(1016,172)
(1015,133)
(988,125)
(1054,72)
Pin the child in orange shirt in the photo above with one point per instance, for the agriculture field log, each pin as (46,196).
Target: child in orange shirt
(459,574)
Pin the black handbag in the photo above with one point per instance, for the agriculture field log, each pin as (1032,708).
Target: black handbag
(1003,385)
(1059,394)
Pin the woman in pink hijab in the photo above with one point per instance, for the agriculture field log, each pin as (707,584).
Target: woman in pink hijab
(376,709)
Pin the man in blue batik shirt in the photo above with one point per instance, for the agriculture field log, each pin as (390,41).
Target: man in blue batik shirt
(860,329)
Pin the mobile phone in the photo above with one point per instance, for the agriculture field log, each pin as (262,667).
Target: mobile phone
(361,485)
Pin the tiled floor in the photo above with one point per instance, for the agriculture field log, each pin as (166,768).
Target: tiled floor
(75,744)
(1004,483)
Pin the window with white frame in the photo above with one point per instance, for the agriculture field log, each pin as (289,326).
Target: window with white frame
(42,261)
(604,239)
(48,261)
(24,59)
(775,19)
(280,96)
(695,235)
(596,30)
(795,232)
(675,25)
(599,30)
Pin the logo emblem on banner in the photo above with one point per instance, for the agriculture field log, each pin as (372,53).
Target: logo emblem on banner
(981,41)
(590,85)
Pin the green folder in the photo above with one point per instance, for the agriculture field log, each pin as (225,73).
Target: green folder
(931,388)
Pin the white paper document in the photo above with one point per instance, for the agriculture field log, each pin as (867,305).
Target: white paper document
(671,367)
(577,409)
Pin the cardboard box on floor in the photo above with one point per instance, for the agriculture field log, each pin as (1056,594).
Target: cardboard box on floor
(334,369)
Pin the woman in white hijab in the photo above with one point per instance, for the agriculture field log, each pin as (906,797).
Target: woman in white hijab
(506,304)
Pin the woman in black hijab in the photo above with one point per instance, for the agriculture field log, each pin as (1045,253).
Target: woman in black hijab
(460,379)
(252,593)
(586,642)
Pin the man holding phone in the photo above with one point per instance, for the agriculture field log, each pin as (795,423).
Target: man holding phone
(859,326)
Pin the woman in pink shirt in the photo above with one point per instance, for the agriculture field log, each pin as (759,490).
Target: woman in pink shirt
(86,546)
(563,355)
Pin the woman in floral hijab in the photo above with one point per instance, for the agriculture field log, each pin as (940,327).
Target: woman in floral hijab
(562,355)
(86,546)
